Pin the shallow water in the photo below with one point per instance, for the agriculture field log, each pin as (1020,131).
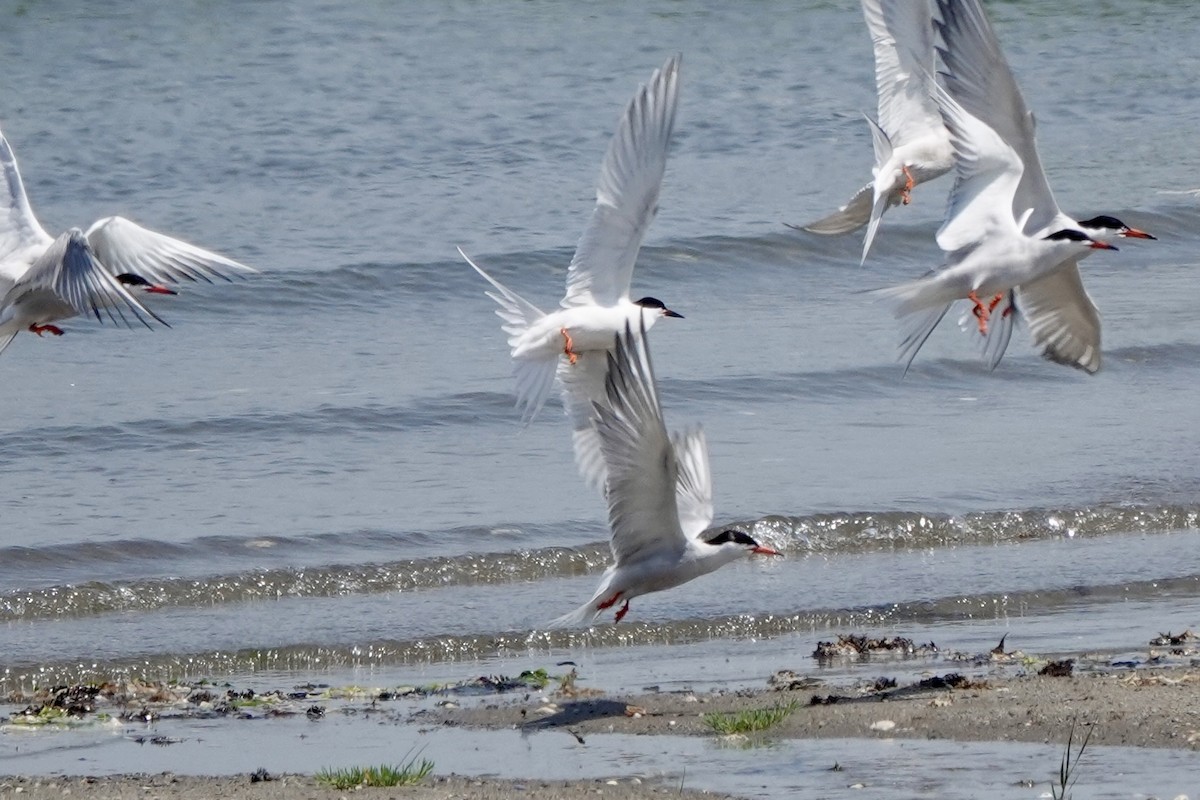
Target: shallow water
(319,471)
(883,768)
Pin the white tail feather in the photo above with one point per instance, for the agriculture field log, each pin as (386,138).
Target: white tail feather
(589,610)
(535,377)
(849,217)
(917,333)
(585,613)
(881,187)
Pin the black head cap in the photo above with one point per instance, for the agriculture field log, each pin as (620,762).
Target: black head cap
(655,303)
(1069,234)
(738,537)
(1103,222)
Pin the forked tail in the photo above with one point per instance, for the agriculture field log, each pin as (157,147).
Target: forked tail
(846,219)
(881,187)
(535,377)
(585,613)
(917,333)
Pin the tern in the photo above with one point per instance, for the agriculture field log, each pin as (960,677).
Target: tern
(659,491)
(989,249)
(44,279)
(1062,319)
(573,339)
(911,142)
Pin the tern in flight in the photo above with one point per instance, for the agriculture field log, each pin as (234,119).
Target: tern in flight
(44,279)
(1061,317)
(659,491)
(911,142)
(989,251)
(572,340)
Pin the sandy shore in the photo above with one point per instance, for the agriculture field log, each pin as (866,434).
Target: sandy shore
(299,787)
(1139,708)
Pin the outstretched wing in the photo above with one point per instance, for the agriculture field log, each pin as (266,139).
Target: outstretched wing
(68,279)
(1062,318)
(639,456)
(902,35)
(583,386)
(987,171)
(627,194)
(978,77)
(19,228)
(693,485)
(126,247)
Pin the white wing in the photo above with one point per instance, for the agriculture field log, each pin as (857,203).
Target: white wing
(978,76)
(1062,318)
(19,228)
(693,489)
(582,389)
(68,279)
(902,34)
(627,194)
(987,173)
(126,247)
(640,458)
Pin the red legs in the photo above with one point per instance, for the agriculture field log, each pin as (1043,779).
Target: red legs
(981,311)
(612,601)
(40,329)
(572,356)
(909,183)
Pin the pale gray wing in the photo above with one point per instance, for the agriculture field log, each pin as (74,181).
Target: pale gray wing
(627,194)
(582,388)
(639,456)
(126,247)
(69,278)
(987,171)
(978,76)
(19,228)
(693,488)
(902,35)
(1062,318)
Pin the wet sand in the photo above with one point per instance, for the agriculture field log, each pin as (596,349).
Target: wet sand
(299,787)
(1134,709)
(1139,708)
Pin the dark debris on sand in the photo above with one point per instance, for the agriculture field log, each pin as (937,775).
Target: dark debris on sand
(146,701)
(887,689)
(857,645)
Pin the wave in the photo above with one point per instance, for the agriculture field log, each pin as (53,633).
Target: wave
(823,534)
(474,647)
(156,434)
(540,274)
(490,407)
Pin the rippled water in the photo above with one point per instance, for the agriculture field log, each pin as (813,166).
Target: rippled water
(320,469)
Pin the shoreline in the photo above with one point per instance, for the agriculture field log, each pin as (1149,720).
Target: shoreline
(1136,708)
(1146,707)
(305,787)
